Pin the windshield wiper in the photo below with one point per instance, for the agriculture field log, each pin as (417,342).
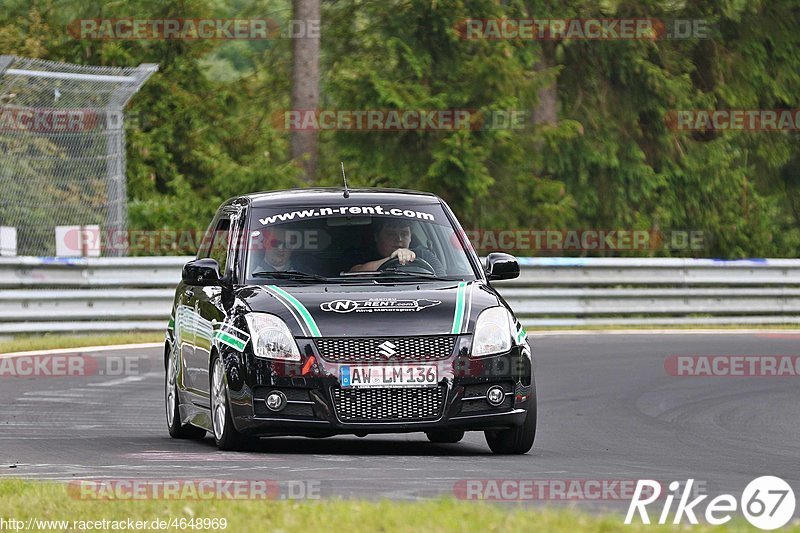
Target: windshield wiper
(399,273)
(426,275)
(289,274)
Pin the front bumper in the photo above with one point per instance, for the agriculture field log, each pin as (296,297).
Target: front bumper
(318,405)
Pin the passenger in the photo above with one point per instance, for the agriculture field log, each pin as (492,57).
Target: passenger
(277,256)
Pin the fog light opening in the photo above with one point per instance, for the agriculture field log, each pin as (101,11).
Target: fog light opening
(276,401)
(495,396)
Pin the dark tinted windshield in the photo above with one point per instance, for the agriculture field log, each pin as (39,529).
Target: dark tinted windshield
(354,240)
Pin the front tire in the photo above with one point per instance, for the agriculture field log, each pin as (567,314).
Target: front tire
(517,440)
(225,434)
(176,429)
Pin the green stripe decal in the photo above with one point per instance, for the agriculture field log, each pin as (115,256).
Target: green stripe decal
(458,317)
(171,324)
(300,308)
(233,342)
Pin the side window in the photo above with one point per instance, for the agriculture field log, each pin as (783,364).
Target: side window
(219,244)
(419,236)
(205,243)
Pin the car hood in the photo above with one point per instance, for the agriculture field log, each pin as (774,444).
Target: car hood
(349,310)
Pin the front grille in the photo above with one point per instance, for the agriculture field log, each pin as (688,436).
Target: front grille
(368,349)
(388,405)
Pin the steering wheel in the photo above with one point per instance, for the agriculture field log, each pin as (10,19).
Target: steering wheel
(418,262)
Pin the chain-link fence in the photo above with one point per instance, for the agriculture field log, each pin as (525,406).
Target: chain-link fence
(62,148)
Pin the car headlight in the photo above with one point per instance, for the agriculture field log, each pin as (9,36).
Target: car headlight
(271,337)
(492,332)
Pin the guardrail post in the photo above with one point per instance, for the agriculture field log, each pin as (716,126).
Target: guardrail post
(8,241)
(5,62)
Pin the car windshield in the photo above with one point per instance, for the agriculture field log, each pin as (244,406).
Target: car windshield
(354,242)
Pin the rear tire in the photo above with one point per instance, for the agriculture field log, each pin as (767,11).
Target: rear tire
(225,434)
(445,436)
(517,440)
(176,429)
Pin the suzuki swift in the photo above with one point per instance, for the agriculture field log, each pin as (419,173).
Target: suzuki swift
(319,312)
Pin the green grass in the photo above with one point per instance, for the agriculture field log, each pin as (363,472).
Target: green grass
(22,500)
(50,341)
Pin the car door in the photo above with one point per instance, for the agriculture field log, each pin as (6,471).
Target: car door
(185,325)
(211,311)
(195,331)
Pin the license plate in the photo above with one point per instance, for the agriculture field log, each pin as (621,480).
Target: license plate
(388,376)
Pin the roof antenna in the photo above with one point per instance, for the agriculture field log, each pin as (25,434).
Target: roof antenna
(344,177)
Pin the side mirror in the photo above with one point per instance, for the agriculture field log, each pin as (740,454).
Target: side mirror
(501,266)
(201,272)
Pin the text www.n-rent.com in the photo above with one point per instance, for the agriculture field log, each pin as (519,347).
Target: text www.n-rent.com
(346,210)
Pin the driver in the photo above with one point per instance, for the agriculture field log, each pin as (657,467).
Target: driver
(393,240)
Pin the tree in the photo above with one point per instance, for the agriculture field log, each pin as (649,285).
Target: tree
(597,154)
(305,84)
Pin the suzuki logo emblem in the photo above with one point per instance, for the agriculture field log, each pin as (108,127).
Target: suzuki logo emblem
(387,348)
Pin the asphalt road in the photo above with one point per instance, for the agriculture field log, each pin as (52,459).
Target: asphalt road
(608,411)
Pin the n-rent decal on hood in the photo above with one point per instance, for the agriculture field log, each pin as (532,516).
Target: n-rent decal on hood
(364,311)
(378,305)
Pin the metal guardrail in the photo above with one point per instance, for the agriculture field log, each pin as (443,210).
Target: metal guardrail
(48,272)
(124,294)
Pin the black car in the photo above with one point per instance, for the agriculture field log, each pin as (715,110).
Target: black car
(318,312)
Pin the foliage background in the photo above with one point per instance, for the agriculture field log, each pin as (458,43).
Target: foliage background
(202,129)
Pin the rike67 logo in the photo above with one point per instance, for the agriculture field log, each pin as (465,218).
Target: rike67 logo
(768,502)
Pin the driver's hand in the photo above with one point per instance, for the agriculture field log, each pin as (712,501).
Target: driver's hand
(404,255)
